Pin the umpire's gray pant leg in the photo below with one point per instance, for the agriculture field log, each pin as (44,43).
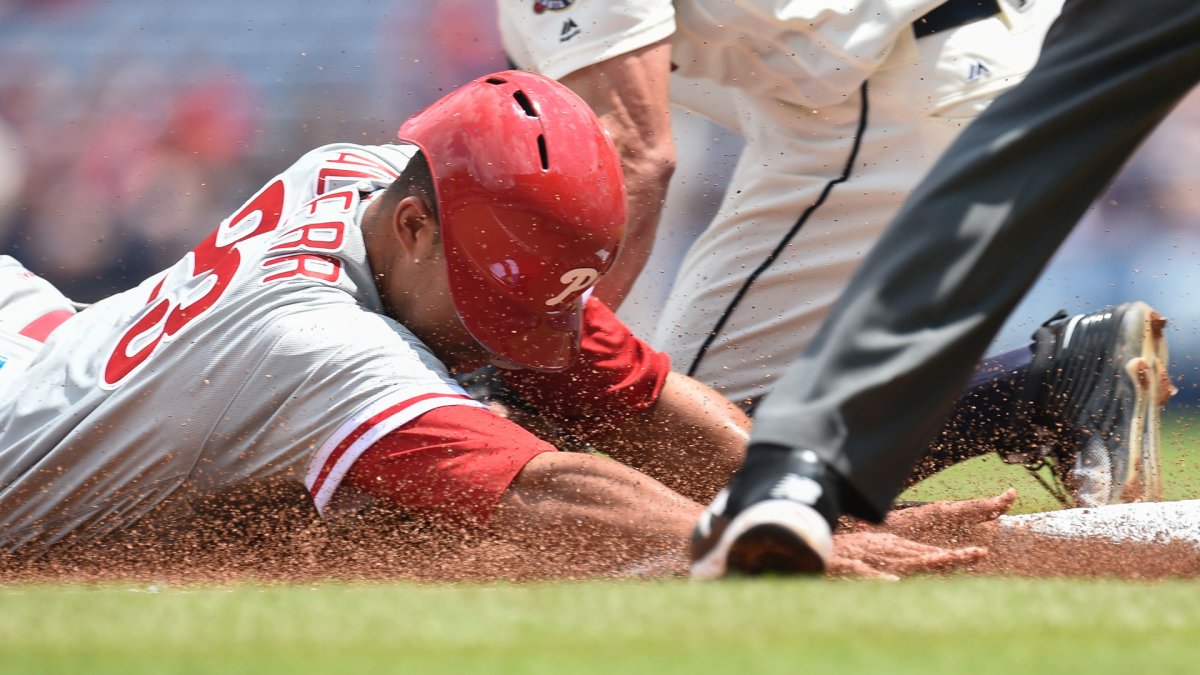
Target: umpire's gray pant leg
(880,377)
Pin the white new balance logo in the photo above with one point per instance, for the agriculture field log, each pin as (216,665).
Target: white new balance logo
(798,489)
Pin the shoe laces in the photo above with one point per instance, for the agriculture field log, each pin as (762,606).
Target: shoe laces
(1046,451)
(1057,486)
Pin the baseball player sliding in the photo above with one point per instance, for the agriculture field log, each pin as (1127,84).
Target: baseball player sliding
(311,338)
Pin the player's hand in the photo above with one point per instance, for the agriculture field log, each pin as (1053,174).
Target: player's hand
(890,551)
(883,555)
(946,519)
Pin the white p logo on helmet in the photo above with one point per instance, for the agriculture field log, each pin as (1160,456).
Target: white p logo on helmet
(576,280)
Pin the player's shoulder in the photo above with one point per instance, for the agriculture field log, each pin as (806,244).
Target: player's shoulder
(335,329)
(313,312)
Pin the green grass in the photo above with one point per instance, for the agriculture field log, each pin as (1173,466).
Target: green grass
(927,625)
(955,624)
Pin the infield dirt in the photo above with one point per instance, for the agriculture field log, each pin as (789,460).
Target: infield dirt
(298,548)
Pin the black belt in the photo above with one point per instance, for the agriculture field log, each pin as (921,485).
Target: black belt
(953,14)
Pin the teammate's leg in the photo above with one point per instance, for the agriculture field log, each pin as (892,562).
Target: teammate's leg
(997,206)
(813,190)
(987,417)
(877,382)
(1083,399)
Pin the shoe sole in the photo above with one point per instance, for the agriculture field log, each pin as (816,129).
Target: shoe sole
(776,536)
(1154,380)
(1152,387)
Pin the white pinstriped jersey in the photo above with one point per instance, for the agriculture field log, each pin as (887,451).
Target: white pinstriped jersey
(261,355)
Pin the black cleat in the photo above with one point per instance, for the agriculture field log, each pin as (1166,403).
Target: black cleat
(1099,382)
(778,528)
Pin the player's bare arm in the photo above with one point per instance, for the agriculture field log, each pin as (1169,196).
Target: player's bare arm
(623,400)
(692,438)
(630,94)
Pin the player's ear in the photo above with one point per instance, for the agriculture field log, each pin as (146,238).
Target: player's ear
(415,228)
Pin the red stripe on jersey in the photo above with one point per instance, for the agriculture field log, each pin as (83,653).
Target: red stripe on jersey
(40,328)
(332,460)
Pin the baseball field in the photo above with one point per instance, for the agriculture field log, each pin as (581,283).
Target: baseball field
(1038,611)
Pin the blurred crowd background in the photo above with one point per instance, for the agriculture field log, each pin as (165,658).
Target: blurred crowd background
(130,128)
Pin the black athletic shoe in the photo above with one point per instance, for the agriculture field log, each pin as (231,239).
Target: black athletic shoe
(775,518)
(1099,382)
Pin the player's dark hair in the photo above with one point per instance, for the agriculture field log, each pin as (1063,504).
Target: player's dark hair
(417,181)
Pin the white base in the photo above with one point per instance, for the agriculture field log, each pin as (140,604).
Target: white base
(1146,522)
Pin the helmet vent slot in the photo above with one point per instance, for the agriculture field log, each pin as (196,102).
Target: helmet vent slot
(525,103)
(496,80)
(541,141)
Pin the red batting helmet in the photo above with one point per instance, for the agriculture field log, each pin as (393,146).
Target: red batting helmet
(531,201)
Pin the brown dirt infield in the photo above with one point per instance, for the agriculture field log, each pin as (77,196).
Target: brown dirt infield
(299,548)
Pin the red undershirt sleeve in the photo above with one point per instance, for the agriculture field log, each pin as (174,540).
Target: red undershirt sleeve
(616,374)
(453,462)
